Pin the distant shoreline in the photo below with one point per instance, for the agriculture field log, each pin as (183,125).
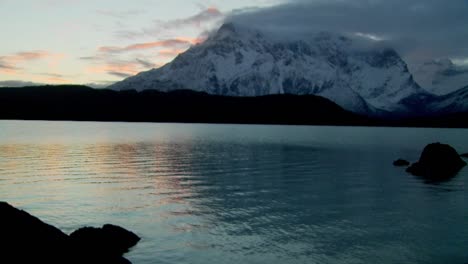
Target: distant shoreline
(246,124)
(81,103)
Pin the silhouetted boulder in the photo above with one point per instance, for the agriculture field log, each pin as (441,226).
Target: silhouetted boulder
(401,163)
(437,162)
(110,241)
(464,155)
(24,237)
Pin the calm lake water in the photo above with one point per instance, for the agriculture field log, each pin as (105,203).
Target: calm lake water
(241,194)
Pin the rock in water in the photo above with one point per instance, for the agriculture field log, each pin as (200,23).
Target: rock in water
(437,162)
(401,163)
(108,241)
(464,155)
(24,237)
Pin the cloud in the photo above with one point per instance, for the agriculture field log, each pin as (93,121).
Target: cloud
(52,75)
(206,17)
(123,61)
(118,68)
(7,68)
(176,42)
(9,64)
(120,74)
(418,29)
(17,83)
(119,14)
(30,55)
(461,62)
(89,58)
(146,64)
(57,80)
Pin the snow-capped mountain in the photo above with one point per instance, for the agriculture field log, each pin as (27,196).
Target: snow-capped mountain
(441,77)
(451,103)
(238,61)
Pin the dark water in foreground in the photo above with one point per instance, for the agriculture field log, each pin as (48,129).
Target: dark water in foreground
(241,194)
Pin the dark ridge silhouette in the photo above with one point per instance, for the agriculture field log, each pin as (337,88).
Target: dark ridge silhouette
(86,104)
(81,103)
(438,162)
(26,239)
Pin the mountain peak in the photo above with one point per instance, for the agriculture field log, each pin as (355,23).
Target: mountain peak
(228,27)
(234,31)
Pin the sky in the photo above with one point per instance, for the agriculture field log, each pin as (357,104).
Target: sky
(99,42)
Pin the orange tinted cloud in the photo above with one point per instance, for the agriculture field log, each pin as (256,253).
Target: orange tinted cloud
(147,64)
(120,69)
(10,64)
(176,42)
(30,55)
(57,80)
(6,68)
(192,41)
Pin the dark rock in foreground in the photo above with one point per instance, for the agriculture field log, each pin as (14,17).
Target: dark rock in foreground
(24,237)
(103,242)
(437,162)
(401,163)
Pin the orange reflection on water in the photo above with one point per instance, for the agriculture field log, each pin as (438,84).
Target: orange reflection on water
(160,173)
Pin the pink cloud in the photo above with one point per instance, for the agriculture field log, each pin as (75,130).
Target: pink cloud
(6,68)
(30,55)
(120,68)
(9,64)
(56,80)
(176,42)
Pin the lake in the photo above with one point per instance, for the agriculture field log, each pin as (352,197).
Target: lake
(200,193)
